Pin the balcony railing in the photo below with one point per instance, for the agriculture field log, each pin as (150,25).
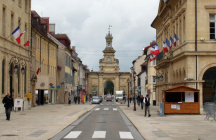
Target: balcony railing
(160,56)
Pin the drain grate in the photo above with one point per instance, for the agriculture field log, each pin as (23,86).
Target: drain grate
(8,135)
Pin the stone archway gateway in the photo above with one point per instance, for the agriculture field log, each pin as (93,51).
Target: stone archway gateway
(108,88)
(209,86)
(108,71)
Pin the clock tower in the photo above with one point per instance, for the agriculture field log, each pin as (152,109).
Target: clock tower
(109,63)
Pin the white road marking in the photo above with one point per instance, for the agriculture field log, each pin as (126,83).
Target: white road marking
(99,134)
(125,135)
(106,108)
(73,134)
(97,109)
(114,109)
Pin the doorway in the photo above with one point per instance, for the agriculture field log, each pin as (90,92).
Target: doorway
(11,80)
(108,88)
(209,86)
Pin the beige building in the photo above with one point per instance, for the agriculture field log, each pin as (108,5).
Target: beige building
(109,72)
(192,62)
(44,55)
(14,57)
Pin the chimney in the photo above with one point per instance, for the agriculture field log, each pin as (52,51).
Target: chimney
(52,28)
(47,21)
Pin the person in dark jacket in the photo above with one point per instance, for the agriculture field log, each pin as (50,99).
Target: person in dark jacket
(8,104)
(78,98)
(147,103)
(75,99)
(141,101)
(138,100)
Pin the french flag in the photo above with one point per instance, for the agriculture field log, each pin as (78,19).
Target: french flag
(101,67)
(154,57)
(151,57)
(22,33)
(27,43)
(175,39)
(38,70)
(152,50)
(168,43)
(156,52)
(171,41)
(16,34)
(165,47)
(115,67)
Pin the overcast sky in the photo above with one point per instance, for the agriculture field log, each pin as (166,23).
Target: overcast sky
(86,23)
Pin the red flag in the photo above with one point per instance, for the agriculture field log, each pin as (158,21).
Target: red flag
(38,70)
(156,52)
(27,43)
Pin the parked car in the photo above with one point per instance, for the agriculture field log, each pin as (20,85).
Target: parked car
(101,99)
(109,98)
(95,100)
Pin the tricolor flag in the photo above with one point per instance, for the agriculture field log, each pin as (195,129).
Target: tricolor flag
(165,47)
(101,67)
(22,33)
(16,34)
(154,57)
(168,43)
(151,57)
(38,70)
(175,39)
(152,50)
(156,52)
(115,67)
(27,43)
(171,42)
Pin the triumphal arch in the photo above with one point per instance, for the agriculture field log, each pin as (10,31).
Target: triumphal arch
(108,73)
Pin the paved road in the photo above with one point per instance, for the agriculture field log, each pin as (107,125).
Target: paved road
(105,122)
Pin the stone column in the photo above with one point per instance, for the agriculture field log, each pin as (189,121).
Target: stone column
(101,86)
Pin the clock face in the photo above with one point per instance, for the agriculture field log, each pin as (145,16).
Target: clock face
(108,59)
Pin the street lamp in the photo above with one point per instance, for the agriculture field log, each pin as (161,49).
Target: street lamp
(134,75)
(128,81)
(22,70)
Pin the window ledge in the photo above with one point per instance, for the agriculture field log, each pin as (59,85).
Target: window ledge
(210,6)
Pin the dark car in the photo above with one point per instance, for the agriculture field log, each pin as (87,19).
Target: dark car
(109,98)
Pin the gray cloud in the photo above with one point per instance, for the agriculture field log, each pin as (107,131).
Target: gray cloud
(86,23)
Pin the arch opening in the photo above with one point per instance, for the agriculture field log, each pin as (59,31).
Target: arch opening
(209,86)
(108,88)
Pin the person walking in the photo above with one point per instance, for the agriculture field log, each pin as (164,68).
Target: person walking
(75,99)
(141,101)
(138,100)
(69,99)
(147,103)
(78,99)
(8,104)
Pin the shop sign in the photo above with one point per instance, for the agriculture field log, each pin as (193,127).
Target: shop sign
(58,87)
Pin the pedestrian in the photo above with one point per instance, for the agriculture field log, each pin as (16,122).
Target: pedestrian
(69,99)
(75,99)
(138,100)
(147,103)
(8,104)
(141,101)
(78,99)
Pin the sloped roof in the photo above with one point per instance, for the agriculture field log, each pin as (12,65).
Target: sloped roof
(181,88)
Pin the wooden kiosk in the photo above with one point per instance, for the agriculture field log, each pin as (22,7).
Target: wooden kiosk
(181,100)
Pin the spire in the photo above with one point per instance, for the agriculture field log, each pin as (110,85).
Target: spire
(109,35)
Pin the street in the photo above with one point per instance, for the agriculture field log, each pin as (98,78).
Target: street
(106,121)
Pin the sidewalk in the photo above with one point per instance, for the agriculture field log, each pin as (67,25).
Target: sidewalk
(171,127)
(40,123)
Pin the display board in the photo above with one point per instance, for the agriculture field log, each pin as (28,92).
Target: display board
(18,103)
(189,96)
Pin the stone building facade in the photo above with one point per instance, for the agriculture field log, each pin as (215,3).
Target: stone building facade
(14,56)
(192,62)
(44,55)
(108,71)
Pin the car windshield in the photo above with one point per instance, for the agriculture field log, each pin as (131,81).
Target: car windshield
(108,96)
(95,97)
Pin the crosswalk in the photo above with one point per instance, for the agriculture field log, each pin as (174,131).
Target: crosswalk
(106,109)
(99,135)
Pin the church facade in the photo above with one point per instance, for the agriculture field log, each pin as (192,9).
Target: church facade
(108,72)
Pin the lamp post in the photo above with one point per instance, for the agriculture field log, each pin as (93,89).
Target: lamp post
(134,75)
(128,81)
